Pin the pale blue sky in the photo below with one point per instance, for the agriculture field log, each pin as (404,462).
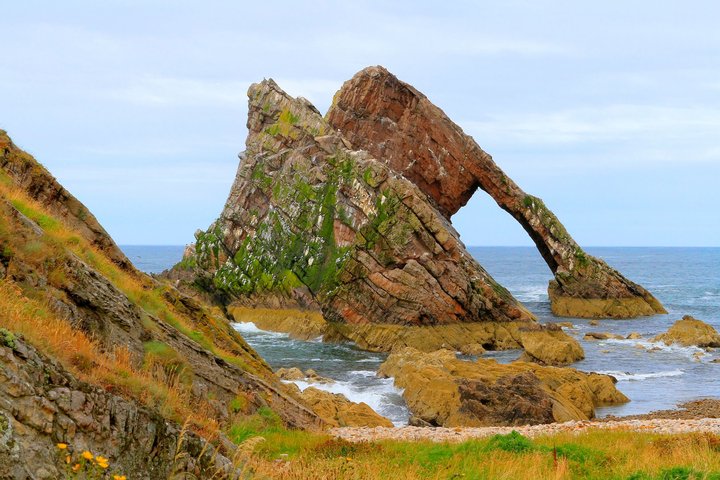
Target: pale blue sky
(609,111)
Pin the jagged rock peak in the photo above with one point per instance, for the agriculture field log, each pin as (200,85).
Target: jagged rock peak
(307,212)
(397,124)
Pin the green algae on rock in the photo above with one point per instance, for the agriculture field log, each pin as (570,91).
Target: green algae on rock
(306,211)
(399,125)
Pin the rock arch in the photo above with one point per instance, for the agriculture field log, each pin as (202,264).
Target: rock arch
(393,121)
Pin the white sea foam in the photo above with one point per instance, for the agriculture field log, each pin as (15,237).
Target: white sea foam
(379,397)
(531,293)
(250,327)
(638,377)
(689,352)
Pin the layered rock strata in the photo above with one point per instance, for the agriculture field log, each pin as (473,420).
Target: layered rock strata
(42,404)
(306,211)
(397,124)
(441,390)
(60,273)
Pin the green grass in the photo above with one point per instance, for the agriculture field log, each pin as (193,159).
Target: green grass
(592,455)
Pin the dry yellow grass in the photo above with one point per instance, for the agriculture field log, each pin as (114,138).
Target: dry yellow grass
(84,358)
(590,455)
(24,311)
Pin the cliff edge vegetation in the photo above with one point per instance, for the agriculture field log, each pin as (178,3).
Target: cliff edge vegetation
(94,352)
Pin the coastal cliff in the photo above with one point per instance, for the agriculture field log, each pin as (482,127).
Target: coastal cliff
(93,350)
(397,124)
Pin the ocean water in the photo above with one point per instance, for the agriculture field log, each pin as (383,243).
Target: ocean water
(685,280)
(153,258)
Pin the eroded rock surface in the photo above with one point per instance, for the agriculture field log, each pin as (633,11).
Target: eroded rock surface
(337,411)
(397,124)
(441,390)
(690,331)
(41,404)
(307,211)
(549,346)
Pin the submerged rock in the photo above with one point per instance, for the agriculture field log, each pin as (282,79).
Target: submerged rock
(306,211)
(399,125)
(602,336)
(441,390)
(690,331)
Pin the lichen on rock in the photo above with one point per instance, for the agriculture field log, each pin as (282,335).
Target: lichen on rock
(400,126)
(306,211)
(441,390)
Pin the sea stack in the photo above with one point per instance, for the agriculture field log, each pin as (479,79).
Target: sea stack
(397,124)
(308,212)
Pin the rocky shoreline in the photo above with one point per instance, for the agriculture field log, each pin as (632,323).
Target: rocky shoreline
(442,434)
(698,416)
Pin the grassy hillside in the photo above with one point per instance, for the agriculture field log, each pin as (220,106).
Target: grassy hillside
(67,290)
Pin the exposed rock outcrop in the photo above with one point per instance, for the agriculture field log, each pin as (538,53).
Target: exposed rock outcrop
(444,391)
(309,375)
(602,336)
(91,302)
(549,346)
(41,404)
(690,331)
(337,411)
(60,273)
(397,124)
(307,211)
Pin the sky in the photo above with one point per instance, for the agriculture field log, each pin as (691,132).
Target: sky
(609,111)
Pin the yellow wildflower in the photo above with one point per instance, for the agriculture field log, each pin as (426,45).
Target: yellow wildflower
(87,455)
(102,461)
(62,446)
(67,459)
(76,467)
(119,477)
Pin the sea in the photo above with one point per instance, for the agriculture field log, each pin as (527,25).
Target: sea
(654,376)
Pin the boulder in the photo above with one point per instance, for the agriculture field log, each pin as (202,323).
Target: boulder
(550,346)
(688,332)
(472,349)
(441,390)
(634,336)
(399,125)
(602,336)
(312,376)
(290,374)
(338,411)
